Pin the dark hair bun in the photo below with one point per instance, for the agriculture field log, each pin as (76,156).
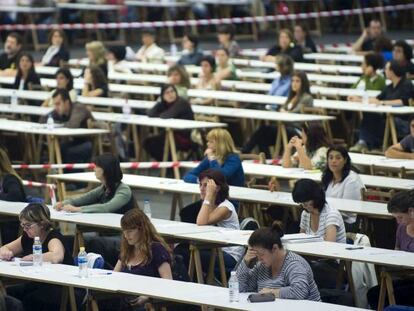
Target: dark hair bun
(277,227)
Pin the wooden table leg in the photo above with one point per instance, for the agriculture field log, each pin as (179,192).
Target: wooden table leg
(135,139)
(222,267)
(72,299)
(210,275)
(64,298)
(382,294)
(173,149)
(174,202)
(386,133)
(278,140)
(166,152)
(348,268)
(393,130)
(390,288)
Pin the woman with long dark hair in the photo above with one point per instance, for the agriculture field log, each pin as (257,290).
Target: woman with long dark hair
(112,196)
(310,147)
(298,98)
(95,82)
(26,76)
(64,80)
(339,181)
(56,54)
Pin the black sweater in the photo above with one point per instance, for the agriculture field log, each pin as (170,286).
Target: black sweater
(11,189)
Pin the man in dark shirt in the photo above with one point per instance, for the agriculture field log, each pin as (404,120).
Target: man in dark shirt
(402,52)
(365,42)
(397,93)
(72,115)
(8,59)
(405,148)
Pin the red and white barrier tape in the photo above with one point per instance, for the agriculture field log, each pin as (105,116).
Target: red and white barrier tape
(126,165)
(51,188)
(213,21)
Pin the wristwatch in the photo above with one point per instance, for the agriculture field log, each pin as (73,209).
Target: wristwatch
(206,202)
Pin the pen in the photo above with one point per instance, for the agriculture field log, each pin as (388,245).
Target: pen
(352,248)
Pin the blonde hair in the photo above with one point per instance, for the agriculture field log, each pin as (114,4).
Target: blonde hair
(5,164)
(98,51)
(224,143)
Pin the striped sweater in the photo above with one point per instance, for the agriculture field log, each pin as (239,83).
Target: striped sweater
(295,279)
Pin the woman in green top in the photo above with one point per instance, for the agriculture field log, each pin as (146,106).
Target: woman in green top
(225,69)
(112,196)
(370,80)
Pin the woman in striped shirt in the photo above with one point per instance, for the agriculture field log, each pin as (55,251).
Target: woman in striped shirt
(278,271)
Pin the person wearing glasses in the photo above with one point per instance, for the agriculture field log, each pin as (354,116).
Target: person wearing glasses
(35,221)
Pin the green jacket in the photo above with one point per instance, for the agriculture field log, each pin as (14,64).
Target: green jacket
(95,201)
(377,83)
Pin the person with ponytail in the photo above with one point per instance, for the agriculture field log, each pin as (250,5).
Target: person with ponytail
(276,270)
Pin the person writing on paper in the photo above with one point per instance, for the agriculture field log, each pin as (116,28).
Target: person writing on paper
(143,252)
(405,148)
(216,210)
(397,93)
(269,268)
(8,59)
(339,181)
(64,80)
(318,217)
(112,196)
(401,206)
(11,189)
(149,52)
(35,222)
(310,147)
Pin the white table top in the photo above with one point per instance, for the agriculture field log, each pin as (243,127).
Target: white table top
(237,193)
(334,57)
(157,4)
(51,71)
(24,109)
(26,9)
(89,6)
(381,161)
(36,128)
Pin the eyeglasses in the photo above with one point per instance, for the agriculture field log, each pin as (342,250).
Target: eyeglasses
(26,226)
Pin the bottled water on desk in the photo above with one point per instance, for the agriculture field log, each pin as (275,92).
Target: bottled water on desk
(83,263)
(233,287)
(173,49)
(126,109)
(14,100)
(50,123)
(147,208)
(37,254)
(365,98)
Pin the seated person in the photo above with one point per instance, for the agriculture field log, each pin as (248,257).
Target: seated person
(225,36)
(339,181)
(150,52)
(170,105)
(365,42)
(225,69)
(56,54)
(71,115)
(402,52)
(281,85)
(96,53)
(405,148)
(303,39)
(191,54)
(269,268)
(217,210)
(286,46)
(112,196)
(206,80)
(299,97)
(383,46)
(26,77)
(318,217)
(95,82)
(11,190)
(311,148)
(178,76)
(35,221)
(401,207)
(8,59)
(64,80)
(117,55)
(143,252)
(397,93)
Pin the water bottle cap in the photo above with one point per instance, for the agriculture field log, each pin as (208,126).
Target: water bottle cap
(82,248)
(37,239)
(233,273)
(146,200)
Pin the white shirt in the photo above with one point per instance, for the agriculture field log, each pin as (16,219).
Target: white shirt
(232,222)
(349,188)
(150,54)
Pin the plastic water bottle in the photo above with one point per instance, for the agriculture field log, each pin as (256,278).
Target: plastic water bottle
(173,49)
(14,100)
(365,98)
(50,123)
(83,263)
(37,254)
(233,287)
(147,208)
(126,109)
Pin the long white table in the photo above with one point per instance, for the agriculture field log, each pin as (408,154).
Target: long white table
(381,161)
(369,209)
